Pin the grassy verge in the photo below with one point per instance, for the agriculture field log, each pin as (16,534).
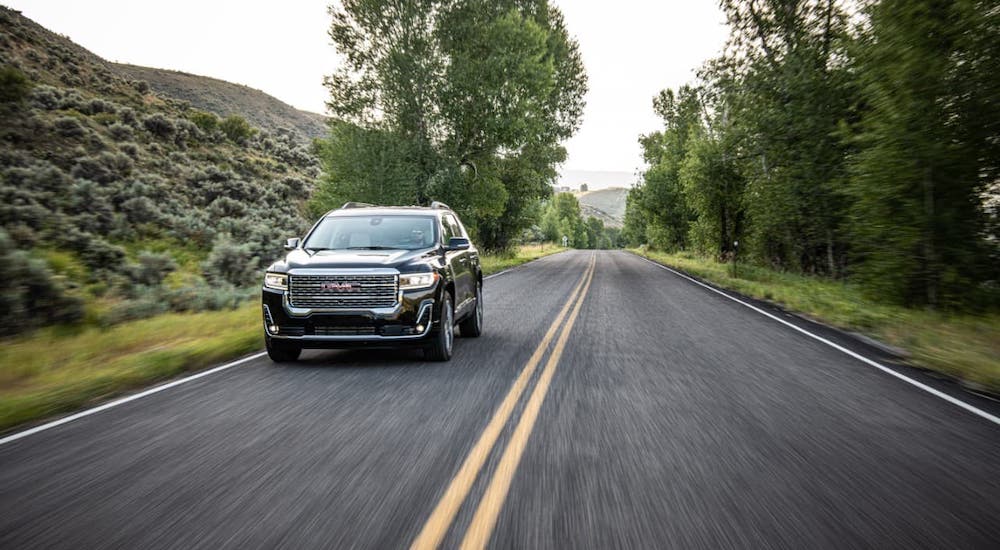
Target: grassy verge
(495,264)
(60,369)
(965,346)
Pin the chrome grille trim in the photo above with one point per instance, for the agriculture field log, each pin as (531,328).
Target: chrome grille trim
(377,290)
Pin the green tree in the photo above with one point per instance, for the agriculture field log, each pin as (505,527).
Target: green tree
(562,218)
(482,92)
(713,189)
(662,201)
(928,148)
(784,86)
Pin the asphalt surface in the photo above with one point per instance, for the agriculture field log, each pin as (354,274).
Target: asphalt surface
(674,418)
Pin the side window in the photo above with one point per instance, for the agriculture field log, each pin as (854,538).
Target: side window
(451,227)
(448,229)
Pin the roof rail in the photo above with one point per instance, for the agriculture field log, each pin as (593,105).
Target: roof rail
(353,204)
(437,204)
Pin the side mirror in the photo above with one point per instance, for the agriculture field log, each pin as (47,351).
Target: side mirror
(458,243)
(292,244)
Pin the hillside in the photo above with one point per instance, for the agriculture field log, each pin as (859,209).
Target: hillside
(226,98)
(606,204)
(119,202)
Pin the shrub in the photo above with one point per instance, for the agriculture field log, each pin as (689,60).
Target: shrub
(120,132)
(96,106)
(103,168)
(128,116)
(133,310)
(130,149)
(225,207)
(46,97)
(208,122)
(159,125)
(230,262)
(69,127)
(95,252)
(14,86)
(31,296)
(204,297)
(237,129)
(186,131)
(151,268)
(141,86)
(139,210)
(71,100)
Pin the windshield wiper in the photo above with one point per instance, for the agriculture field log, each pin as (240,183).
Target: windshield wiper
(372,248)
(315,248)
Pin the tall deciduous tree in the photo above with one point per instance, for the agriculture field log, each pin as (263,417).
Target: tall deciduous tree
(482,93)
(929,145)
(785,84)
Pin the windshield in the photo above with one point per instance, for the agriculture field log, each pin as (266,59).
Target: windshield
(373,233)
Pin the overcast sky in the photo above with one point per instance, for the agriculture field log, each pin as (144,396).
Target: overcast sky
(632,49)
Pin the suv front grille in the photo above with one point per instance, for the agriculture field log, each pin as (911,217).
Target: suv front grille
(343,291)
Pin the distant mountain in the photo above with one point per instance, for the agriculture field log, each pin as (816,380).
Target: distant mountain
(595,179)
(226,98)
(606,204)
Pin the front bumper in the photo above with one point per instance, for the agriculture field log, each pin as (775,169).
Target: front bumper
(411,322)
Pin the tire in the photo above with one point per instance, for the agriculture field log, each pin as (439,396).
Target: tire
(472,326)
(281,352)
(442,343)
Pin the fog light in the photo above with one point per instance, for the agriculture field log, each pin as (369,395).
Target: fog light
(273,329)
(420,328)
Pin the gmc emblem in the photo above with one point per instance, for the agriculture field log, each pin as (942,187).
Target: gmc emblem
(338,287)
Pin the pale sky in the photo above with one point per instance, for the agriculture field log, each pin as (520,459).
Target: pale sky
(632,49)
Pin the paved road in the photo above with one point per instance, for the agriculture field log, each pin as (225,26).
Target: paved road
(659,415)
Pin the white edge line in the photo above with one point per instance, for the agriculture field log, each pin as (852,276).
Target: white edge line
(937,393)
(497,274)
(122,401)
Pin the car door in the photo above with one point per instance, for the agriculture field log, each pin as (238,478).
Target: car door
(460,261)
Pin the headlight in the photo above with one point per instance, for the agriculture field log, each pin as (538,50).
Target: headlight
(411,281)
(277,281)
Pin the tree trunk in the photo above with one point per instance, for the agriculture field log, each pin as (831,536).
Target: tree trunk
(930,261)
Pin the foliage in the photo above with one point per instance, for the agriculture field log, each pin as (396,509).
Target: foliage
(230,262)
(929,148)
(464,101)
(236,128)
(821,147)
(112,197)
(32,295)
(14,86)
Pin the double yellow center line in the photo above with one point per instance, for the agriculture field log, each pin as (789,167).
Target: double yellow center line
(485,518)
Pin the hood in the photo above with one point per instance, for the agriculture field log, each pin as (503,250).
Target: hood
(339,259)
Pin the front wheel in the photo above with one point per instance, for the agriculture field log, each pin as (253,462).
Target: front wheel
(472,326)
(281,352)
(442,342)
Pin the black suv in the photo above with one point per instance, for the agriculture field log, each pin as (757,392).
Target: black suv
(370,276)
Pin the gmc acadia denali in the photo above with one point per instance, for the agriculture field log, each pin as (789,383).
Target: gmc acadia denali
(369,276)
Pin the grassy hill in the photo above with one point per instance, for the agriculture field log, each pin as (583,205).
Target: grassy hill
(119,202)
(226,98)
(605,204)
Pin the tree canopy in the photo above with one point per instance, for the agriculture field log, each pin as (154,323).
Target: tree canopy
(464,101)
(848,144)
